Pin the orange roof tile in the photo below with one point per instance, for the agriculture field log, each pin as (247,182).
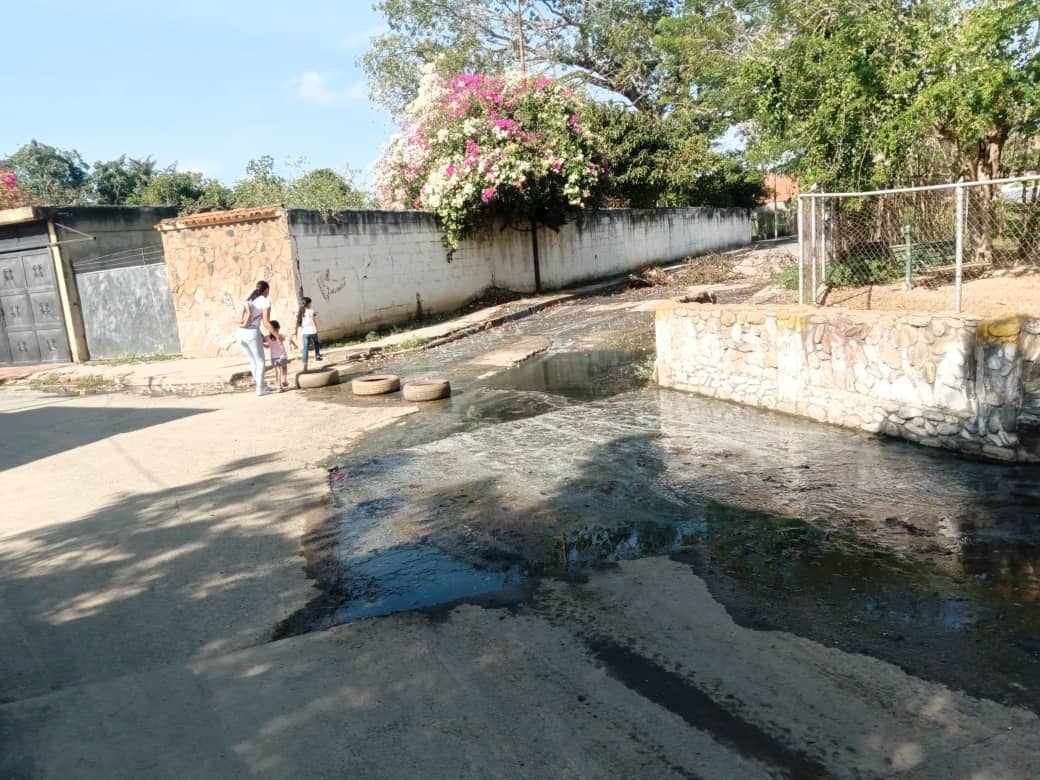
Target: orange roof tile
(214,218)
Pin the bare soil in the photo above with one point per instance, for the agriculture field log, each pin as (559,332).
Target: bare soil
(990,297)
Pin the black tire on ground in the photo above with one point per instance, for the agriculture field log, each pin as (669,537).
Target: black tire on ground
(377,384)
(427,390)
(318,377)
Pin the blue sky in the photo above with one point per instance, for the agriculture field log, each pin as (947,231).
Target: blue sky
(208,85)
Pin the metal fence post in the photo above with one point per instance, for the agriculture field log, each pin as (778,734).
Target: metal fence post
(908,237)
(823,247)
(812,228)
(959,247)
(801,251)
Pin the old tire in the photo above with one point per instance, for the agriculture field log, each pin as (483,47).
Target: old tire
(377,384)
(427,390)
(319,377)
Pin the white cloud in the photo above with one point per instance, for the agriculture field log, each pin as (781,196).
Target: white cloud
(315,87)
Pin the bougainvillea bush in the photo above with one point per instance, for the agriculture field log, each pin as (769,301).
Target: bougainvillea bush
(475,147)
(11,195)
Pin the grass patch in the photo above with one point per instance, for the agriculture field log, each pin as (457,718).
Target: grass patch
(645,371)
(128,359)
(788,277)
(407,344)
(84,383)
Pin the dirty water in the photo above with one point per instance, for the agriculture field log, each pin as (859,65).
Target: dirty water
(929,561)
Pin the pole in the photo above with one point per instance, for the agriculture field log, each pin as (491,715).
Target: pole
(907,238)
(823,247)
(534,252)
(959,249)
(801,251)
(520,36)
(776,233)
(812,227)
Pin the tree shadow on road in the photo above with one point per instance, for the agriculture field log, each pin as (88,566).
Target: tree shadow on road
(45,431)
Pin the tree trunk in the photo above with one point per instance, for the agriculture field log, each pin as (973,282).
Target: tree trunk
(980,163)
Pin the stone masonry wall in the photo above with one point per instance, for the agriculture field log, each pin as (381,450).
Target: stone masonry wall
(956,382)
(213,261)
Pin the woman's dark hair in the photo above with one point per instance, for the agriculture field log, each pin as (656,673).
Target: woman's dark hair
(275,326)
(299,314)
(261,289)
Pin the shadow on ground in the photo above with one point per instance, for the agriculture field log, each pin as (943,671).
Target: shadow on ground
(47,430)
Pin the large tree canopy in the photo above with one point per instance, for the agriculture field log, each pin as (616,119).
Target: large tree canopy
(855,95)
(609,45)
(47,174)
(121,180)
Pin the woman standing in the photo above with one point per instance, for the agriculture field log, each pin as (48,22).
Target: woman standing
(256,312)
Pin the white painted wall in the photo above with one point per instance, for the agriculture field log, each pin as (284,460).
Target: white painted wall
(365,269)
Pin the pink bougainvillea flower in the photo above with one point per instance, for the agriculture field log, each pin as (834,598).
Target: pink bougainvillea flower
(487,194)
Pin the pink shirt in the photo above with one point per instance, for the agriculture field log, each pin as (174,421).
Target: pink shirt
(276,346)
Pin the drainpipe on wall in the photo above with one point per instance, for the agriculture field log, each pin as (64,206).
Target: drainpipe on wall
(71,310)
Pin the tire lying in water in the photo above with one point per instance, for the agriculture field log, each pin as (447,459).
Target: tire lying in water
(377,384)
(317,377)
(427,390)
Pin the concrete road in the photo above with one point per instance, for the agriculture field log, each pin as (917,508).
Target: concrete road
(149,546)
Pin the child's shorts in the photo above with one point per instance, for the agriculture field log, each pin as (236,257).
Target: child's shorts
(279,362)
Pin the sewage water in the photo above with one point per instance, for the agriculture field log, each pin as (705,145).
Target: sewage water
(877,546)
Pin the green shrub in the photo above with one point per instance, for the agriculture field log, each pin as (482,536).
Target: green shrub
(857,271)
(788,277)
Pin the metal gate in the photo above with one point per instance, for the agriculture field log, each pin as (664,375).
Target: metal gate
(32,329)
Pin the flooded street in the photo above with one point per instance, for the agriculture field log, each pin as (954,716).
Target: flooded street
(569,462)
(561,571)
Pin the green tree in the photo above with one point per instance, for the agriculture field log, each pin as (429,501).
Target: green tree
(609,45)
(261,185)
(118,181)
(49,175)
(668,161)
(189,190)
(325,190)
(851,96)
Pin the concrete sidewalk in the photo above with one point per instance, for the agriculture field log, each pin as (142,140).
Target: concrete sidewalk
(207,376)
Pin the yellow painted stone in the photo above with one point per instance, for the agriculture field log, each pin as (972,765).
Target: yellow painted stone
(791,320)
(1001,330)
(664,310)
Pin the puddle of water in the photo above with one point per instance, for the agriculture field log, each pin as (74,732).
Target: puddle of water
(415,576)
(541,385)
(582,376)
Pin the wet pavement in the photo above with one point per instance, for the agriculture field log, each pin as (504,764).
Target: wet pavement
(570,463)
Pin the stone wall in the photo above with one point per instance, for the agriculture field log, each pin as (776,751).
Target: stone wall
(956,382)
(213,261)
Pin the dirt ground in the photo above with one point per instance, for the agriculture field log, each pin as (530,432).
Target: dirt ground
(988,297)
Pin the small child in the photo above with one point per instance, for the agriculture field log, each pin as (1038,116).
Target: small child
(306,321)
(279,358)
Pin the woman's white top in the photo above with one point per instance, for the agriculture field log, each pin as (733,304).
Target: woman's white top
(256,310)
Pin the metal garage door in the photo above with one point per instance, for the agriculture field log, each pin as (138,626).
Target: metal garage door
(32,329)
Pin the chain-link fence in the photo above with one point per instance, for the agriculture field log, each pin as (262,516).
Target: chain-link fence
(769,223)
(879,249)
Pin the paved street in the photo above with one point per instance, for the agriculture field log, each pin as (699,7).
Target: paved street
(152,548)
